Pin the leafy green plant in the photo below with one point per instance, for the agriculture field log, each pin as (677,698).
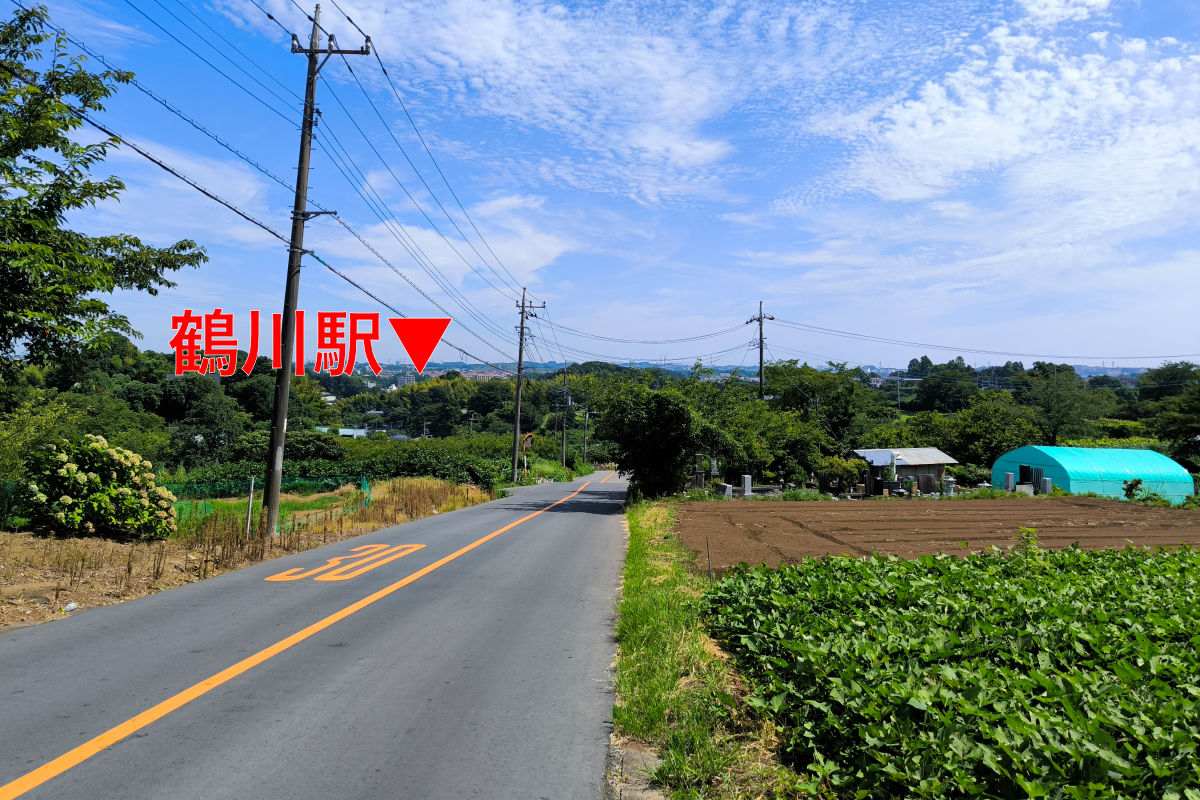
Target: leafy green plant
(90,488)
(1152,499)
(792,495)
(1131,488)
(1037,673)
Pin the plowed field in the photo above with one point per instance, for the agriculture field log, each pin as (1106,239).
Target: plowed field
(782,532)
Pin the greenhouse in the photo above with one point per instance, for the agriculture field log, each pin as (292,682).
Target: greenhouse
(1104,471)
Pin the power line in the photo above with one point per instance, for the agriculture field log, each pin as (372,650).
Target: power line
(215,68)
(412,123)
(271,17)
(602,338)
(399,313)
(344,164)
(417,205)
(426,264)
(235,48)
(232,207)
(884,340)
(167,104)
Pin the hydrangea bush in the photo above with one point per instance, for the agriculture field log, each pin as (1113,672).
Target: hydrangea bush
(90,488)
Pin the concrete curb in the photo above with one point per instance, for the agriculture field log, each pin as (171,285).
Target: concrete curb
(628,774)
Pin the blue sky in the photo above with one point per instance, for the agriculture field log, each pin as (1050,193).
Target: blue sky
(1019,177)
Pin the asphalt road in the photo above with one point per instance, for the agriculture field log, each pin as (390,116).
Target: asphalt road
(439,673)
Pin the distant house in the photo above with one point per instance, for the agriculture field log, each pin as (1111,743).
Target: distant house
(925,465)
(345,433)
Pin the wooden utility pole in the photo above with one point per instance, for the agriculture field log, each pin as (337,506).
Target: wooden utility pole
(300,215)
(526,310)
(761,343)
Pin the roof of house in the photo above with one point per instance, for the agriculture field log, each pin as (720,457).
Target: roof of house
(906,456)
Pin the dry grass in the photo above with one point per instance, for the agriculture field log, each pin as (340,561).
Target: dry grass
(40,575)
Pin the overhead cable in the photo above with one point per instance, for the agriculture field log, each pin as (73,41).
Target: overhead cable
(413,124)
(884,340)
(215,68)
(507,290)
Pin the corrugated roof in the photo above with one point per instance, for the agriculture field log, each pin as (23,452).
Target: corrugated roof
(906,456)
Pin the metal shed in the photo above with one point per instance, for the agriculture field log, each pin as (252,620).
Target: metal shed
(1101,470)
(910,464)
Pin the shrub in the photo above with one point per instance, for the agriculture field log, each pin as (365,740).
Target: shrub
(969,474)
(89,488)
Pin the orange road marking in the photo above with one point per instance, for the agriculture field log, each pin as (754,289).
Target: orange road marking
(72,758)
(340,574)
(608,476)
(299,572)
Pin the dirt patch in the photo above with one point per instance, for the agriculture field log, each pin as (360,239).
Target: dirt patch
(782,532)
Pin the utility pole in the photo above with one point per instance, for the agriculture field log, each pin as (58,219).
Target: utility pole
(761,343)
(586,411)
(566,398)
(300,215)
(526,310)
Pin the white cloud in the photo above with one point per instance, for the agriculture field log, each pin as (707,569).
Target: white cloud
(1048,13)
(161,209)
(628,99)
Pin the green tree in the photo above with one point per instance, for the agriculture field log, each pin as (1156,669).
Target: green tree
(33,423)
(656,435)
(949,387)
(1062,402)
(51,308)
(989,427)
(1168,380)
(1176,420)
(209,432)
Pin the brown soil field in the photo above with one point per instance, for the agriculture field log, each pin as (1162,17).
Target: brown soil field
(784,532)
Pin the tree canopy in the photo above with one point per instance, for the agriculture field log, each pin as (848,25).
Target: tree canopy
(50,309)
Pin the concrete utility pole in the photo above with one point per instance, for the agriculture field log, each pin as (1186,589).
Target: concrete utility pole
(586,411)
(566,400)
(300,215)
(761,343)
(526,310)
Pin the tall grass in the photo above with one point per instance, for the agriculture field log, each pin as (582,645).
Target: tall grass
(674,688)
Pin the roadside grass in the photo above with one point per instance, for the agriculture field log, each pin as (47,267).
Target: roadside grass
(40,575)
(543,469)
(675,689)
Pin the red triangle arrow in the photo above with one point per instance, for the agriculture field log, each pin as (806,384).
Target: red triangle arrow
(420,335)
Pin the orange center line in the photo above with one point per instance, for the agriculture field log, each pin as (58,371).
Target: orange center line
(83,752)
(609,475)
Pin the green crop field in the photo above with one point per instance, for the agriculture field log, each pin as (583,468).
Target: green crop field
(1066,674)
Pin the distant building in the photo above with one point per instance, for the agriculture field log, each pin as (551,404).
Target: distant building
(925,465)
(345,433)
